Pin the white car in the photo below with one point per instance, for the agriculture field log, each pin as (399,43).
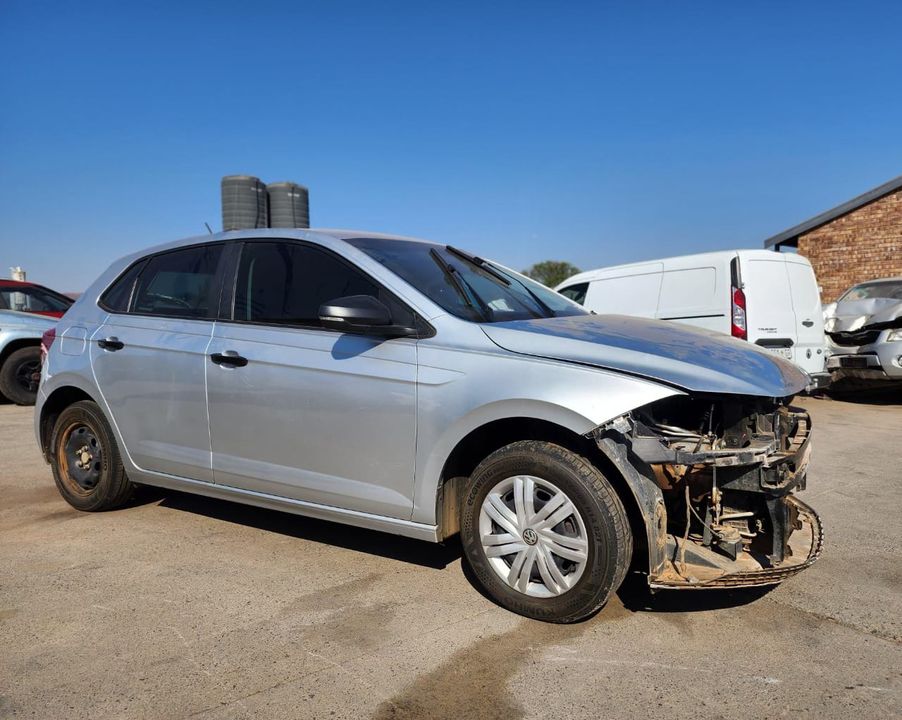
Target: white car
(865,331)
(770,299)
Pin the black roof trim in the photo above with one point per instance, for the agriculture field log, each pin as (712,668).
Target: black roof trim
(839,210)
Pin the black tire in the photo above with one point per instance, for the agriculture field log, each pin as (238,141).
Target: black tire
(15,375)
(81,434)
(609,539)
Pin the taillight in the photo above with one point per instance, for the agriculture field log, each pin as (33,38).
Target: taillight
(739,327)
(46,341)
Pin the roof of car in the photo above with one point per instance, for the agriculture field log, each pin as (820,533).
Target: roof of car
(300,233)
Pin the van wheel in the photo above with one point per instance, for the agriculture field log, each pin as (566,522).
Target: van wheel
(544,532)
(17,376)
(85,460)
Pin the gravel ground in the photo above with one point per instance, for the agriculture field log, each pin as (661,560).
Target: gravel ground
(180,606)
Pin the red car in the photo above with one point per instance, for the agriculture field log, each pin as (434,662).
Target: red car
(28,297)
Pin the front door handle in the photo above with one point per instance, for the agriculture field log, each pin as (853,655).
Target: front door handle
(111,343)
(807,323)
(229,359)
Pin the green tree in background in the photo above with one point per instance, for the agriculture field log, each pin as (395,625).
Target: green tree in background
(551,272)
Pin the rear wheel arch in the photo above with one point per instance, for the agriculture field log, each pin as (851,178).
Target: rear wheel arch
(56,402)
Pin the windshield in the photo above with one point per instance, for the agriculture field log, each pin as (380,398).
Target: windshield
(891,289)
(465,286)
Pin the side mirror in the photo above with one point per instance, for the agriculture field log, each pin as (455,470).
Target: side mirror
(363,315)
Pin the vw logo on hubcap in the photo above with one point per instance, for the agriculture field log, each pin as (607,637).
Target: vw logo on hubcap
(530,537)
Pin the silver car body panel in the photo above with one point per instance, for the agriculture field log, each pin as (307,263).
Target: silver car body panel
(853,315)
(875,323)
(155,391)
(355,429)
(688,357)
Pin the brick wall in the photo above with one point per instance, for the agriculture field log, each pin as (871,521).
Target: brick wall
(863,245)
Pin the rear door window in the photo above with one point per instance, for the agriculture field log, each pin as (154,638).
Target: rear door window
(181,283)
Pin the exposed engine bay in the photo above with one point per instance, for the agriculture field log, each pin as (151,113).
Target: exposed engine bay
(715,477)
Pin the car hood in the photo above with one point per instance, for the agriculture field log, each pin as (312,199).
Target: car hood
(854,315)
(690,358)
(14,318)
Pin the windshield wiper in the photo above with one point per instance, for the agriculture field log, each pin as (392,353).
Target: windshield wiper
(461,285)
(487,267)
(478,262)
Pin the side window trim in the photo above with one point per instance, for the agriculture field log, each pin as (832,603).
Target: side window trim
(428,330)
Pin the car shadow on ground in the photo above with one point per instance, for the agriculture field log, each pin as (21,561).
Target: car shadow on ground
(638,597)
(878,395)
(633,594)
(372,542)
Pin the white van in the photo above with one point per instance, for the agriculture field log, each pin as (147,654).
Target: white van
(765,297)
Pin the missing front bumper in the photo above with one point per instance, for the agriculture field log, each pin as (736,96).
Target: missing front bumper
(718,503)
(805,546)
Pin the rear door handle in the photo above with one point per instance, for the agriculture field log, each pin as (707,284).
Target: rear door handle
(807,323)
(111,343)
(229,358)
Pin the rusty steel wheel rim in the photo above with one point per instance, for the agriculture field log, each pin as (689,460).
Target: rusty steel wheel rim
(80,458)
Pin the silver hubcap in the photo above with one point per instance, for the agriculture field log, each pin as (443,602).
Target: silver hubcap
(533,536)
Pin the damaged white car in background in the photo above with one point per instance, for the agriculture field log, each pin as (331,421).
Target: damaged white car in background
(864,328)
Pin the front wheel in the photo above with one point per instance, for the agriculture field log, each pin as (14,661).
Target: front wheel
(544,532)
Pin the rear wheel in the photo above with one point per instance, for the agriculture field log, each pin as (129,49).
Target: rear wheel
(544,532)
(85,460)
(20,374)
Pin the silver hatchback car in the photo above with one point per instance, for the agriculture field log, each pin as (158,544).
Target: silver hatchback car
(411,387)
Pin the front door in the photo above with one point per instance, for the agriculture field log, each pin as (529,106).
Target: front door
(313,414)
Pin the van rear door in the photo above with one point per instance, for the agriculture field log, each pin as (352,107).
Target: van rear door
(769,310)
(810,348)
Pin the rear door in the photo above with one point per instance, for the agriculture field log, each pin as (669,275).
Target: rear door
(810,348)
(149,360)
(769,310)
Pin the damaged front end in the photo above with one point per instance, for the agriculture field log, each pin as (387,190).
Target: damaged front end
(714,478)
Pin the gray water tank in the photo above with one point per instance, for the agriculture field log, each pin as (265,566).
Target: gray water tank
(289,205)
(245,203)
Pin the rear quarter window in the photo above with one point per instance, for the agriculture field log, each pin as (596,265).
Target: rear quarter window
(118,296)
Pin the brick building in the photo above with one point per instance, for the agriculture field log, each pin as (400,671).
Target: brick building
(856,241)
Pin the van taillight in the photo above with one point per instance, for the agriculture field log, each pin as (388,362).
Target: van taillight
(738,325)
(46,341)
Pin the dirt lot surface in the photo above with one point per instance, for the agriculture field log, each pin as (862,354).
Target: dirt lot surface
(186,607)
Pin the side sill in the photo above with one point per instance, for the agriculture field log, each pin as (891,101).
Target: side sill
(406,528)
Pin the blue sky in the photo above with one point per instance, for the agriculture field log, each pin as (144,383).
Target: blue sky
(591,132)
